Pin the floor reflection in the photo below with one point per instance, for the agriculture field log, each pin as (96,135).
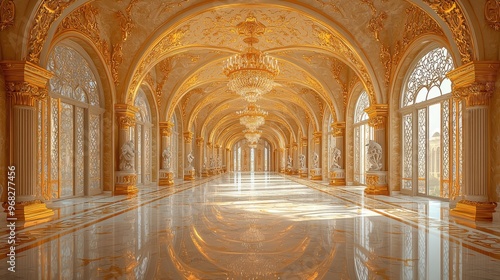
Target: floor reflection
(261,226)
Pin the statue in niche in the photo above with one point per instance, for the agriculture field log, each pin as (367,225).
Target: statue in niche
(316,160)
(205,163)
(302,160)
(374,155)
(290,161)
(167,159)
(127,156)
(334,157)
(219,161)
(190,159)
(212,162)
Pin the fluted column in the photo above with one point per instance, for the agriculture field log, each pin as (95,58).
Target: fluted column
(189,170)
(337,154)
(126,176)
(474,82)
(303,158)
(315,169)
(166,173)
(376,176)
(25,83)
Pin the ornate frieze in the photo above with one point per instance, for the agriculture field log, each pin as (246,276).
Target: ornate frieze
(7,13)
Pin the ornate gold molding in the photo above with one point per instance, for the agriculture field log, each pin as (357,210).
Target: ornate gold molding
(7,14)
(338,129)
(199,141)
(166,128)
(188,137)
(317,137)
(451,13)
(25,82)
(304,141)
(48,12)
(378,115)
(474,82)
(492,13)
(125,115)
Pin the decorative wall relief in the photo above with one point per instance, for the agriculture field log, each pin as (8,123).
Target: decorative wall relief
(127,156)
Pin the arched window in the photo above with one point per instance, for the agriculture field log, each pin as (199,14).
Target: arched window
(362,135)
(143,138)
(431,127)
(75,152)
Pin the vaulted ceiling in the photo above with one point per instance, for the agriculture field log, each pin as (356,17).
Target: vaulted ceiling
(174,51)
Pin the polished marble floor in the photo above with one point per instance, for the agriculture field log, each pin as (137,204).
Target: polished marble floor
(253,226)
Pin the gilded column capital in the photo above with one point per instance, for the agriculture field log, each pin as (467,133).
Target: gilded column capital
(295,145)
(25,82)
(474,82)
(338,129)
(378,115)
(304,141)
(125,115)
(188,137)
(209,145)
(317,137)
(199,141)
(166,128)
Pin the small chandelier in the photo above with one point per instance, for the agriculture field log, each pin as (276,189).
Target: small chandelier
(252,117)
(252,136)
(251,74)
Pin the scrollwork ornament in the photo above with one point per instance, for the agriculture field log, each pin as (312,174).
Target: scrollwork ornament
(126,121)
(476,94)
(24,93)
(377,122)
(7,13)
(492,13)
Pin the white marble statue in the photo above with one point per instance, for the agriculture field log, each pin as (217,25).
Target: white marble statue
(127,156)
(316,160)
(374,155)
(205,163)
(334,157)
(290,162)
(190,159)
(167,159)
(219,161)
(212,162)
(302,160)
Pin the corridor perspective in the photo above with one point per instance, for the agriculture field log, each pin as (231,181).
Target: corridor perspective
(255,226)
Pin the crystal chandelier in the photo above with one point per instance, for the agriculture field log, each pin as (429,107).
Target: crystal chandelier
(252,136)
(251,74)
(252,117)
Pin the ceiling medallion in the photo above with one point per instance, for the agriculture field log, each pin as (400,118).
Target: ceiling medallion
(251,73)
(252,117)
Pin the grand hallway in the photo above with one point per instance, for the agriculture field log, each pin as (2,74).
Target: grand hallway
(254,226)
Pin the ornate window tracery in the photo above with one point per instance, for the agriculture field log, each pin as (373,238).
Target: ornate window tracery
(75,125)
(430,126)
(362,134)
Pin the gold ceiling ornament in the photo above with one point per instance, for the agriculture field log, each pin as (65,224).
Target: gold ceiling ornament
(252,135)
(251,74)
(252,117)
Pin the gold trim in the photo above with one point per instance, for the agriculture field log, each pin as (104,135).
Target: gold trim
(474,210)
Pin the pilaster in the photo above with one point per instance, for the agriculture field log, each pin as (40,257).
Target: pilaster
(126,175)
(337,170)
(376,178)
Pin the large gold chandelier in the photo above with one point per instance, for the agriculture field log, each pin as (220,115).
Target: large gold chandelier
(252,136)
(252,117)
(251,74)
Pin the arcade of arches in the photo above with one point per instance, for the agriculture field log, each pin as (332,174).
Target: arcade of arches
(386,98)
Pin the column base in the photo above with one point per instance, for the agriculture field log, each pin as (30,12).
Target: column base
(189,175)
(26,211)
(125,183)
(474,210)
(166,178)
(303,173)
(376,183)
(337,177)
(316,174)
(204,173)
(288,171)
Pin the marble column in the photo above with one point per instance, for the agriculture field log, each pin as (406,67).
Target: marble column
(303,158)
(25,83)
(219,158)
(166,172)
(126,175)
(315,169)
(337,170)
(210,158)
(202,160)
(288,157)
(376,176)
(189,170)
(228,160)
(282,160)
(295,158)
(474,83)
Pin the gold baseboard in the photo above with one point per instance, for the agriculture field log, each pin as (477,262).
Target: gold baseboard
(31,211)
(189,178)
(165,182)
(379,190)
(316,177)
(473,210)
(337,182)
(125,190)
(303,175)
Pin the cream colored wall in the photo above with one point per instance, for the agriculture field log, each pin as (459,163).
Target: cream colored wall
(495,143)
